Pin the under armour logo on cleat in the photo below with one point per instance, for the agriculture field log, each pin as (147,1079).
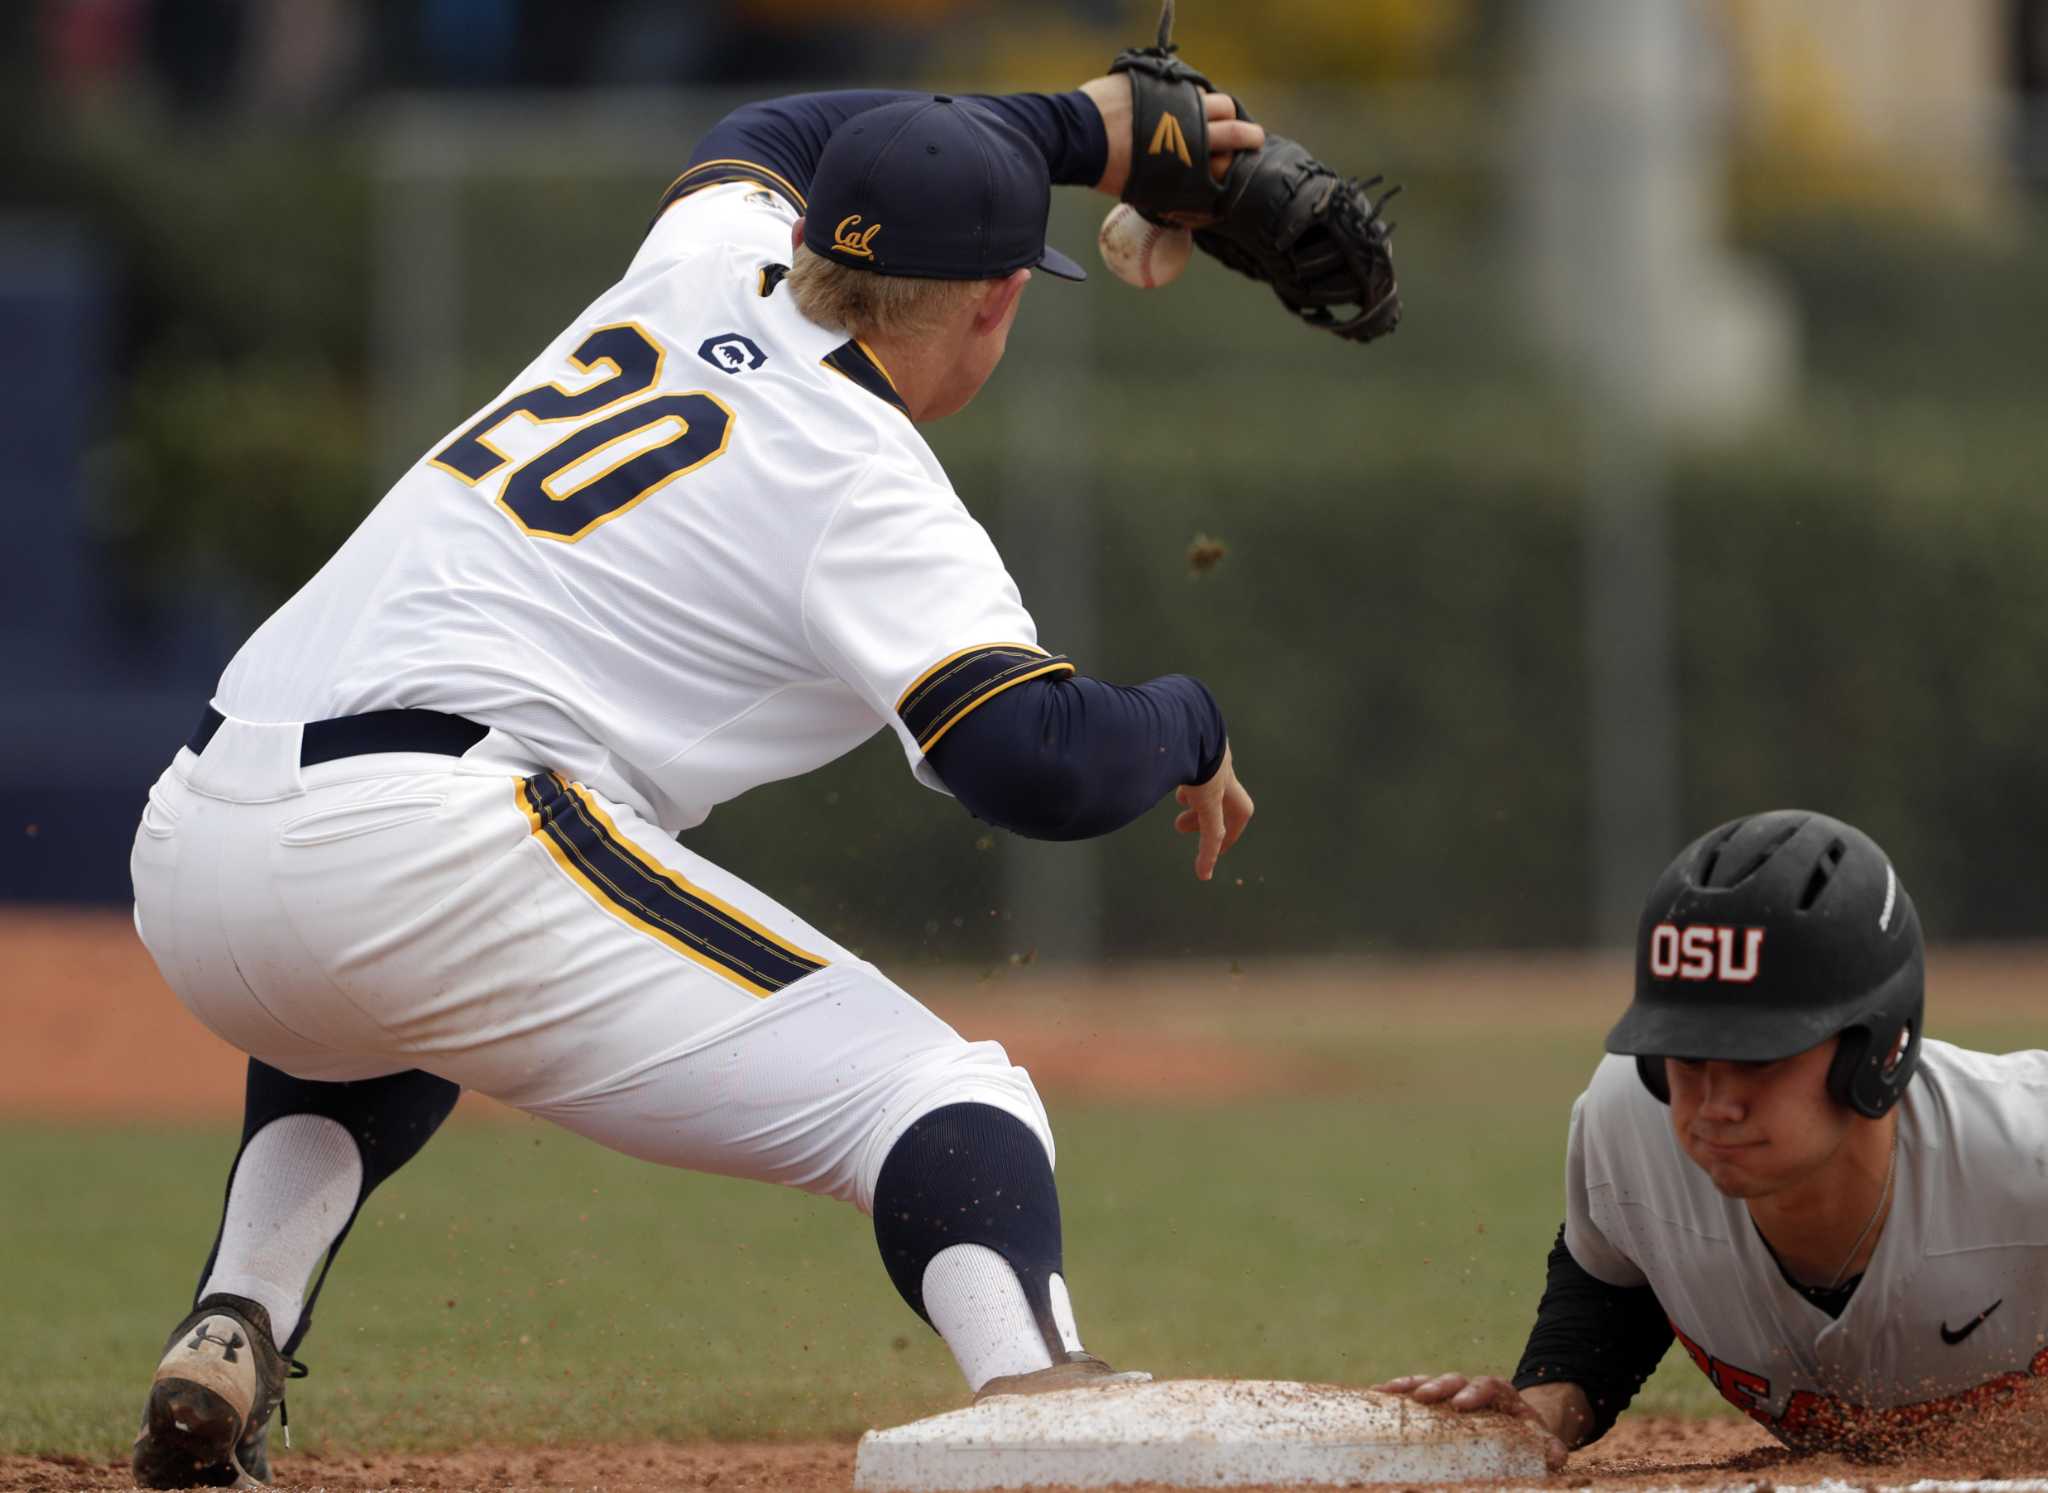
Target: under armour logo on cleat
(227,1344)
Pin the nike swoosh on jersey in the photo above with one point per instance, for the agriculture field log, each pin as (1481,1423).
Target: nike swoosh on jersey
(1956,1336)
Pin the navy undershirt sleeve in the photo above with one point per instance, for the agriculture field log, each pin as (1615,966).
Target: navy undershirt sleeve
(1067,758)
(787,135)
(1068,130)
(1605,1339)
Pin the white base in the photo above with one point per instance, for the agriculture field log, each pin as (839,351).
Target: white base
(1193,1433)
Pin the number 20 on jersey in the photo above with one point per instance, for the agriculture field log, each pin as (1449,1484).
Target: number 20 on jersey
(622,446)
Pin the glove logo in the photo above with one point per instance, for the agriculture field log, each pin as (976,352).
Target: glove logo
(850,238)
(730,352)
(1169,139)
(1704,952)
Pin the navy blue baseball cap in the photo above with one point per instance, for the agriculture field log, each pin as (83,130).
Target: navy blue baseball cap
(934,187)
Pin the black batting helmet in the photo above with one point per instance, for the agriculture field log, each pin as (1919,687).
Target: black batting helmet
(1768,936)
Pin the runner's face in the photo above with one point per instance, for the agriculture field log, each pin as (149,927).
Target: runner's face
(1757,1128)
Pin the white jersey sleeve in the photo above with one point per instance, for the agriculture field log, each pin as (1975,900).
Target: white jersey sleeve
(1596,1254)
(907,602)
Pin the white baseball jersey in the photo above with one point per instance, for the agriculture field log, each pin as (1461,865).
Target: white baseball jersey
(1954,1304)
(695,546)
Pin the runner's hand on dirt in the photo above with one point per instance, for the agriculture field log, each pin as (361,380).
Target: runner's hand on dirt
(1489,1392)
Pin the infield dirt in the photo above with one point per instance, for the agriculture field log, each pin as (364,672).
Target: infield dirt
(1641,1453)
(1649,1452)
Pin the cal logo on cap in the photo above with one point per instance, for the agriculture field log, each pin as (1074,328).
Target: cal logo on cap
(1703,951)
(850,238)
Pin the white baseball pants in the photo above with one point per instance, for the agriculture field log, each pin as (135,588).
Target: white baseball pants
(518,935)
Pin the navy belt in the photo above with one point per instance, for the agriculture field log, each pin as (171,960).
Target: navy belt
(372,731)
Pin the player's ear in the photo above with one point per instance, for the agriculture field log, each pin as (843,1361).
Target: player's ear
(999,300)
(796,235)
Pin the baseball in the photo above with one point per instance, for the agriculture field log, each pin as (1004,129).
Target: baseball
(1143,253)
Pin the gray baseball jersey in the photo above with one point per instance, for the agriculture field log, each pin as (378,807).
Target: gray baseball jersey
(1953,1307)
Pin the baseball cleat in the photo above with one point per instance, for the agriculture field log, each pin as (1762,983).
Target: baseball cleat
(206,1424)
(1077,1371)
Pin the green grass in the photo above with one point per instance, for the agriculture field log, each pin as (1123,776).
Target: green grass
(518,1284)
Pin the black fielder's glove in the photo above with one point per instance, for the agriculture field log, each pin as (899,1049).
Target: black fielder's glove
(1317,238)
(1278,215)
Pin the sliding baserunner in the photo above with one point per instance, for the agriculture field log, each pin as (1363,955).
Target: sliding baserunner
(1844,1224)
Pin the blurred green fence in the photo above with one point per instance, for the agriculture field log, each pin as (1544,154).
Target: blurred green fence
(1396,629)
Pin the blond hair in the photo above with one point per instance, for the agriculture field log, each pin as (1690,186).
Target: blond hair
(867,304)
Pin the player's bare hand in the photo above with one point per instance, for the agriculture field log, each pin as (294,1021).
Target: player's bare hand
(1482,1392)
(1227,133)
(1217,810)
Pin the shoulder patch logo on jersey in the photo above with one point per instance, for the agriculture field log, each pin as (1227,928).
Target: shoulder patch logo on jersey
(732,352)
(850,238)
(763,199)
(1705,951)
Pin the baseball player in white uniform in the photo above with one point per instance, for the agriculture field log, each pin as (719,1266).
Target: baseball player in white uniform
(1842,1223)
(424,837)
